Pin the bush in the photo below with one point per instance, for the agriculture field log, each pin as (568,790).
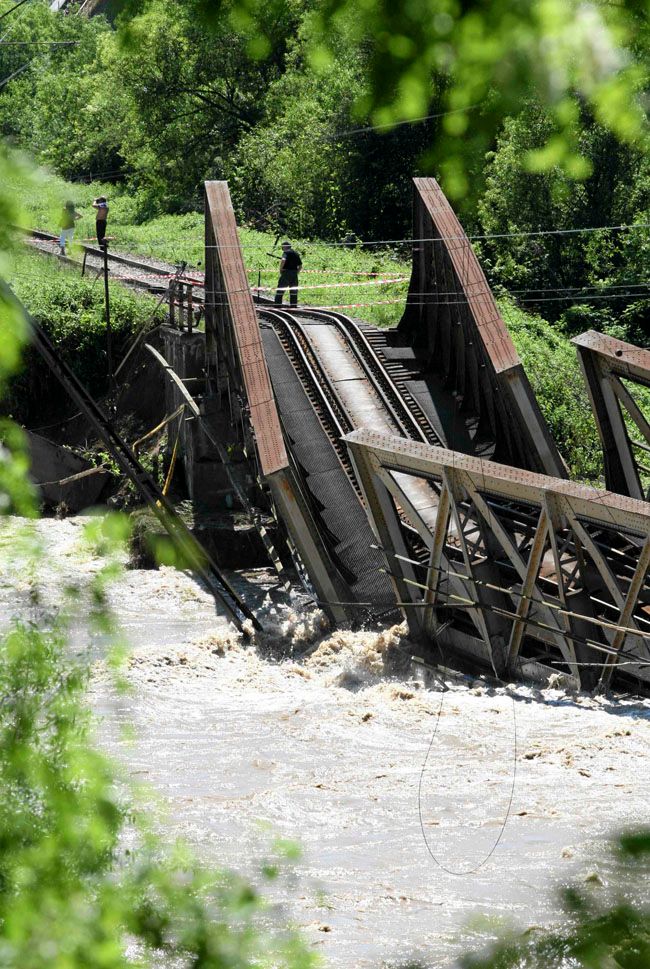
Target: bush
(71,311)
(551,364)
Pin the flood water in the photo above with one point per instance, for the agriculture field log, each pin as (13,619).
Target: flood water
(327,746)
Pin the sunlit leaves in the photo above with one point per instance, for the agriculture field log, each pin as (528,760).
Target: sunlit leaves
(554,49)
(72,895)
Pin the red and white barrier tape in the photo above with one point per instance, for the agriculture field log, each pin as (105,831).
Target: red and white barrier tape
(320,272)
(372,282)
(349,306)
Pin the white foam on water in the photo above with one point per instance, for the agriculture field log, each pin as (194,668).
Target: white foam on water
(321,735)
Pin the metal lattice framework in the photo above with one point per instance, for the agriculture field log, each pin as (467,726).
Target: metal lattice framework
(451,312)
(238,372)
(612,368)
(508,566)
(513,570)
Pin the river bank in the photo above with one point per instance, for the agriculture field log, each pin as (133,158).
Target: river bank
(245,742)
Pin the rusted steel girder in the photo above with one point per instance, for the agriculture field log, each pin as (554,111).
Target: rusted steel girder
(451,313)
(239,377)
(611,369)
(512,570)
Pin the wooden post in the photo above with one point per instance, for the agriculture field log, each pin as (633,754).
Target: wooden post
(190,309)
(172,305)
(181,304)
(107,302)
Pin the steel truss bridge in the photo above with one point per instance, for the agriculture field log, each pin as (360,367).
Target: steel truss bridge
(410,469)
(414,472)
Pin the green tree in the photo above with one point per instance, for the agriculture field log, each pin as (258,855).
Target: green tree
(579,277)
(493,57)
(189,96)
(308,167)
(60,107)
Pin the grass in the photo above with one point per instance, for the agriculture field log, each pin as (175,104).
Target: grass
(548,356)
(332,275)
(71,310)
(551,363)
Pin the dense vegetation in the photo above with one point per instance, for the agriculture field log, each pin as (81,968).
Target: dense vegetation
(270,102)
(71,311)
(548,356)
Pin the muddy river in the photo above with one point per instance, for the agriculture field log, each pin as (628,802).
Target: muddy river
(327,738)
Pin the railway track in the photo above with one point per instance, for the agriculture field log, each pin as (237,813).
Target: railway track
(321,389)
(401,411)
(333,414)
(153,276)
(400,403)
(317,385)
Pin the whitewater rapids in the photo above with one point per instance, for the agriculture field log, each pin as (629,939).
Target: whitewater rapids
(322,736)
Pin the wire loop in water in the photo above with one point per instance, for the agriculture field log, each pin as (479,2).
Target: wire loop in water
(468,871)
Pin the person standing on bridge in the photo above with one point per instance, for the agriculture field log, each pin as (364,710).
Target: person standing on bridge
(101,205)
(290,266)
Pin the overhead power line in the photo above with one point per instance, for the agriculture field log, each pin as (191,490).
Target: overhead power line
(15,74)
(360,244)
(389,125)
(39,43)
(11,9)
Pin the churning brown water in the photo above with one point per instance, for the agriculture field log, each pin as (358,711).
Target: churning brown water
(244,743)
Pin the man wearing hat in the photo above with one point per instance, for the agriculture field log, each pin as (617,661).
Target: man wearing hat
(290,266)
(101,205)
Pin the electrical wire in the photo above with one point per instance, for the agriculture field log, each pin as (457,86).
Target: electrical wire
(15,73)
(450,238)
(390,125)
(504,823)
(428,302)
(39,43)
(446,868)
(462,602)
(11,9)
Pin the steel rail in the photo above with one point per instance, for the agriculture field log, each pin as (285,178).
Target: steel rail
(316,384)
(301,337)
(372,371)
(145,268)
(416,427)
(315,379)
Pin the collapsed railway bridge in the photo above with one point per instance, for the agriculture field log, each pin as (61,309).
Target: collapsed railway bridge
(411,469)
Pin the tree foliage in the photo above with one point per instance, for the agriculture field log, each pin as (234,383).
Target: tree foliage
(547,245)
(489,57)
(84,884)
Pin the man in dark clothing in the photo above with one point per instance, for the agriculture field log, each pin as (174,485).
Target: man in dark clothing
(100,220)
(290,266)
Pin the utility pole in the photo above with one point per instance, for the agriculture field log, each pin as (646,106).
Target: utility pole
(109,335)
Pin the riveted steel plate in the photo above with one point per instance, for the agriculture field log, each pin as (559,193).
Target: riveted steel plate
(623,359)
(400,454)
(237,299)
(481,302)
